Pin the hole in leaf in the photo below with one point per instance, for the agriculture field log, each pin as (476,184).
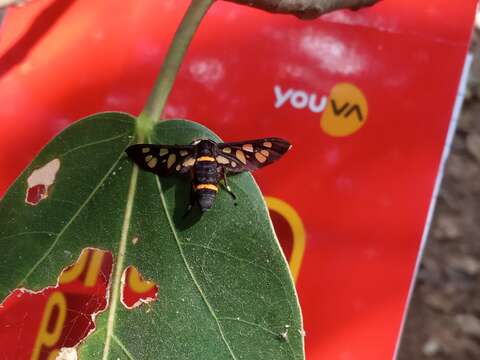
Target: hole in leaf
(67,354)
(40,324)
(136,290)
(40,180)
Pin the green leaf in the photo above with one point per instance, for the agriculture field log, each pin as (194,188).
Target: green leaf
(225,290)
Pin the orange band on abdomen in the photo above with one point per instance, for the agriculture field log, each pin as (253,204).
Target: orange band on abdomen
(206,186)
(205,158)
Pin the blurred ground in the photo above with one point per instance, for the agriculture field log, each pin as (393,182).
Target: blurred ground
(444,318)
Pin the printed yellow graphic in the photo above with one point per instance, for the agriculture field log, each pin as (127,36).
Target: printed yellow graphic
(48,335)
(346,111)
(77,269)
(54,354)
(298,231)
(137,283)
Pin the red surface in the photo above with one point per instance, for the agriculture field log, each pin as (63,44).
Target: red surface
(136,290)
(363,198)
(36,194)
(22,312)
(284,232)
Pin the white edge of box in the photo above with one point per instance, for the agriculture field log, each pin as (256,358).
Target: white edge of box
(436,189)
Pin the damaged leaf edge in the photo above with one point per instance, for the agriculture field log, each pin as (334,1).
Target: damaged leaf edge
(141,301)
(93,316)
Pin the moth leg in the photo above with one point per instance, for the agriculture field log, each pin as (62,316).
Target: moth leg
(225,185)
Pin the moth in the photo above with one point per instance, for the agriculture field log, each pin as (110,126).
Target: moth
(207,162)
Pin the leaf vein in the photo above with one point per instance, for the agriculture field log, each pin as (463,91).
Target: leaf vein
(190,271)
(67,225)
(27,233)
(250,323)
(94,143)
(226,254)
(262,328)
(124,349)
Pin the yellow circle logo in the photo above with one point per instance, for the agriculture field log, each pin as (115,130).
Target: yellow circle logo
(346,111)
(298,231)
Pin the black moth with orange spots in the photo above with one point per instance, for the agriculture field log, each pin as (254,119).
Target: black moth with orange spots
(208,162)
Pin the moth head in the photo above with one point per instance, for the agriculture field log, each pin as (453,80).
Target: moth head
(205,146)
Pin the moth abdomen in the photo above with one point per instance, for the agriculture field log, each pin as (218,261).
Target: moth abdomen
(205,177)
(206,194)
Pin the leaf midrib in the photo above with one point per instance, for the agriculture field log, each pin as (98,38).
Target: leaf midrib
(122,247)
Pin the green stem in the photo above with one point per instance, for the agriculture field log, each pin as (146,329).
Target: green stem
(164,83)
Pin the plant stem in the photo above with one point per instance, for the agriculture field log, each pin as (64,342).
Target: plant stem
(164,83)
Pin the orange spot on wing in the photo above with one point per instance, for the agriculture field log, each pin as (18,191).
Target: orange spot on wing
(241,156)
(260,158)
(171,160)
(247,147)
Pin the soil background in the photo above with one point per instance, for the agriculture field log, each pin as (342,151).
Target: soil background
(443,320)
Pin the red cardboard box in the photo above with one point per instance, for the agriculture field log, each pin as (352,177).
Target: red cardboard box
(366,98)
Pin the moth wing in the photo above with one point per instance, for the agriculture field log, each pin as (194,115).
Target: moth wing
(251,154)
(163,160)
